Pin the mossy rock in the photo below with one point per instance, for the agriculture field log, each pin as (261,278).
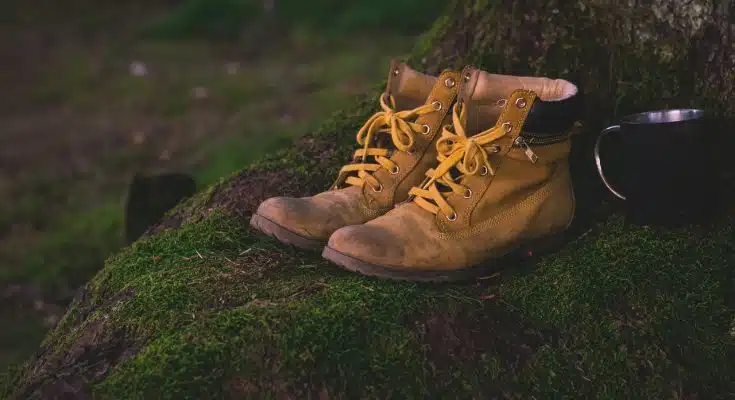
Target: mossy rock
(205,308)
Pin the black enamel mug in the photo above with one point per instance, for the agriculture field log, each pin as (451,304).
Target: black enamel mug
(664,165)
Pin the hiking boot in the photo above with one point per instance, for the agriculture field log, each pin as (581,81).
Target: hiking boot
(398,147)
(502,184)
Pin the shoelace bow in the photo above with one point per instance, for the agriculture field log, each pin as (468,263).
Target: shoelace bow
(401,130)
(469,155)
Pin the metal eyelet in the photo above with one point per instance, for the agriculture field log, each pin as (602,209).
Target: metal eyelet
(449,82)
(467,77)
(484,170)
(396,71)
(494,149)
(425,129)
(437,105)
(395,170)
(520,102)
(468,193)
(378,189)
(501,102)
(507,126)
(452,216)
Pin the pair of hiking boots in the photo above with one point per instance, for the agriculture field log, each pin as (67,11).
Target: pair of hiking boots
(455,172)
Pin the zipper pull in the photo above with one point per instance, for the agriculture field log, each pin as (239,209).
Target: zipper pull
(521,142)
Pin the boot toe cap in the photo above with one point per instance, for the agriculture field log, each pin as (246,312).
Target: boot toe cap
(292,214)
(368,243)
(276,209)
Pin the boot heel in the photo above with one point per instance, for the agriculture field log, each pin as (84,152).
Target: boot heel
(544,245)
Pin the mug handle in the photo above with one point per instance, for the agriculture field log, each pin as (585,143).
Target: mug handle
(609,129)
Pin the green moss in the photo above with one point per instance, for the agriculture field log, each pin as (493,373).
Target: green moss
(635,305)
(214,317)
(224,312)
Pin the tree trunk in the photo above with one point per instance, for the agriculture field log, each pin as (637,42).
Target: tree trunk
(205,308)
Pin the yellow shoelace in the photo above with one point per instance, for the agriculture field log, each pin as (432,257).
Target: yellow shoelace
(400,126)
(469,155)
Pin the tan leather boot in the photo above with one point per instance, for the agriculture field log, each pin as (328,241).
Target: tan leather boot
(498,187)
(398,147)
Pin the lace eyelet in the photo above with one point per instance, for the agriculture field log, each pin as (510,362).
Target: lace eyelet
(395,170)
(520,102)
(484,170)
(437,105)
(507,127)
(449,82)
(495,148)
(425,129)
(501,102)
(452,216)
(468,193)
(396,71)
(379,188)
(467,77)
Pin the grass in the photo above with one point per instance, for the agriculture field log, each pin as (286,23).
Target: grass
(72,251)
(228,19)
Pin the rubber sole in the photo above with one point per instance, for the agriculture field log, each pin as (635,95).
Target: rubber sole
(525,252)
(284,235)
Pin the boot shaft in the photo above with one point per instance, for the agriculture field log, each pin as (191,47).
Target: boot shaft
(409,88)
(556,108)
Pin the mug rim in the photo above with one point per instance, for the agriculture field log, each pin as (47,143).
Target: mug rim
(632,119)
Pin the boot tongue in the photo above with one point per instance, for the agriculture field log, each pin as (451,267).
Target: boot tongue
(483,97)
(409,88)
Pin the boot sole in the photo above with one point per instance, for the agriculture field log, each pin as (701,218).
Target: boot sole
(525,252)
(284,235)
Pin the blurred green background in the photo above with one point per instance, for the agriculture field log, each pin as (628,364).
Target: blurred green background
(95,91)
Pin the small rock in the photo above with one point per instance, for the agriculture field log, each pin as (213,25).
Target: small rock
(201,93)
(50,321)
(137,68)
(232,68)
(139,137)
(286,119)
(11,291)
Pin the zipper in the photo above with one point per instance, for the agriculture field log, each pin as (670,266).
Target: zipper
(521,142)
(544,140)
